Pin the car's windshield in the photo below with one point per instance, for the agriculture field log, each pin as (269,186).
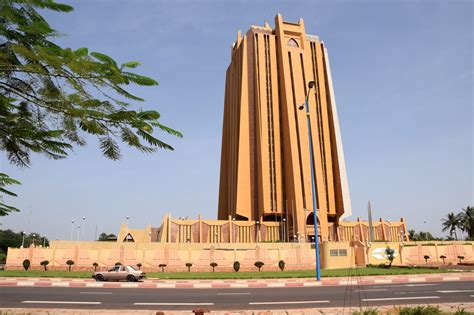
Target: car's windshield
(130,268)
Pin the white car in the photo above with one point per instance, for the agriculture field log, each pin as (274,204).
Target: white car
(118,273)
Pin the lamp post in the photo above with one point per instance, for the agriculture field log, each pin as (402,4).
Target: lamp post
(126,234)
(311,84)
(256,231)
(426,231)
(83,227)
(23,239)
(78,230)
(284,230)
(95,235)
(44,241)
(34,235)
(72,228)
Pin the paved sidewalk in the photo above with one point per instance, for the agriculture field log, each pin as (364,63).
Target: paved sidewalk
(390,309)
(237,283)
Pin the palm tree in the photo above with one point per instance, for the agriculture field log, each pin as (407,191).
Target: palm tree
(466,221)
(451,223)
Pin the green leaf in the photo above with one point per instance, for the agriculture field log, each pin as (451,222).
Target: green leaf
(130,64)
(103,58)
(110,148)
(81,52)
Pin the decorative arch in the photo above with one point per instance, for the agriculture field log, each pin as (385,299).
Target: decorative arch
(310,219)
(293,43)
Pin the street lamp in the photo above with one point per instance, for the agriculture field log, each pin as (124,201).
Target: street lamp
(83,226)
(34,235)
(256,231)
(78,230)
(284,230)
(128,218)
(72,228)
(95,236)
(44,240)
(23,239)
(312,84)
(426,231)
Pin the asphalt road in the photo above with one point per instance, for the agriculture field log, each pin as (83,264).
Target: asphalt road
(237,299)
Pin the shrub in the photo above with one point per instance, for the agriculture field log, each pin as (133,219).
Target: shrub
(236,266)
(3,258)
(44,263)
(443,258)
(95,265)
(460,258)
(26,264)
(461,311)
(259,265)
(419,310)
(70,263)
(189,265)
(390,253)
(139,265)
(162,266)
(426,257)
(213,265)
(118,263)
(281,265)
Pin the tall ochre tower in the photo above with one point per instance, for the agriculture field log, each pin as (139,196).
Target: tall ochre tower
(265,163)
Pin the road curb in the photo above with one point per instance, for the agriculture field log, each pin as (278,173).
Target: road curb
(387,309)
(238,283)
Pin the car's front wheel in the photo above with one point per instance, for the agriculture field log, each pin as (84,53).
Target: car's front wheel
(131,278)
(99,278)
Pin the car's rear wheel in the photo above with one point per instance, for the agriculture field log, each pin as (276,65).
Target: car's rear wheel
(99,278)
(131,278)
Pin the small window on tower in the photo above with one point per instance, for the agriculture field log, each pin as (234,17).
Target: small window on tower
(293,43)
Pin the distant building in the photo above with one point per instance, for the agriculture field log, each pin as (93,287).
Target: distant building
(265,162)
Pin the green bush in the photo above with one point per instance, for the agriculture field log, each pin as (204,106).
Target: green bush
(26,264)
(390,253)
(419,310)
(443,257)
(236,266)
(70,263)
(3,258)
(259,265)
(281,265)
(426,257)
(189,265)
(461,311)
(44,263)
(213,265)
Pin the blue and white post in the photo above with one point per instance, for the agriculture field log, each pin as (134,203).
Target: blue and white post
(313,184)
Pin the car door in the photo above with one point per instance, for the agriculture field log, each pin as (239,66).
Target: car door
(122,273)
(113,273)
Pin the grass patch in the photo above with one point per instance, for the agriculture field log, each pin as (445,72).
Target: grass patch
(365,271)
(44,274)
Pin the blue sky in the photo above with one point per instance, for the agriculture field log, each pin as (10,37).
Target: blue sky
(403,79)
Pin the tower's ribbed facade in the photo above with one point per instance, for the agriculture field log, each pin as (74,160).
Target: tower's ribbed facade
(265,162)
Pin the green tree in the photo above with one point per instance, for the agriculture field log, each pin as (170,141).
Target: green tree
(451,223)
(50,96)
(390,254)
(466,221)
(45,264)
(70,263)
